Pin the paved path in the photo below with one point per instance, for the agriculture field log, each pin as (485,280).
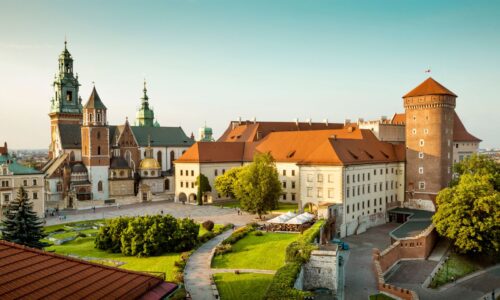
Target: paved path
(270,272)
(358,269)
(440,250)
(199,213)
(198,270)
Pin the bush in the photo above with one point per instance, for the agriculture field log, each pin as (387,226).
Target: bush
(259,233)
(81,234)
(223,248)
(180,294)
(208,225)
(206,237)
(179,277)
(147,235)
(296,254)
(218,231)
(238,234)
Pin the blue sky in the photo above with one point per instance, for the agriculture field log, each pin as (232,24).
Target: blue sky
(217,60)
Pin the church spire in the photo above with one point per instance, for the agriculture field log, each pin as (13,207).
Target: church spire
(145,116)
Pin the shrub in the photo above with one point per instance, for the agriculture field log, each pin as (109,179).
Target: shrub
(223,248)
(218,231)
(259,233)
(208,225)
(179,277)
(238,234)
(180,294)
(206,237)
(81,234)
(181,264)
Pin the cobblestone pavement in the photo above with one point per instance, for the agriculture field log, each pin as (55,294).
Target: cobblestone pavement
(359,276)
(198,213)
(198,270)
(410,271)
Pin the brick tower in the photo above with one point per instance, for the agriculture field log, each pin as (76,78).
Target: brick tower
(66,105)
(430,110)
(95,145)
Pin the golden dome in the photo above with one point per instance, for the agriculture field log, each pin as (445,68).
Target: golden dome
(149,163)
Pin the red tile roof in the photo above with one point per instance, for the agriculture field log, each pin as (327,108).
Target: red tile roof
(330,147)
(27,273)
(398,119)
(4,150)
(249,131)
(429,87)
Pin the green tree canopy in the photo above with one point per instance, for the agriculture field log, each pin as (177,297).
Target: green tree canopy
(21,225)
(224,184)
(258,187)
(469,213)
(203,186)
(478,164)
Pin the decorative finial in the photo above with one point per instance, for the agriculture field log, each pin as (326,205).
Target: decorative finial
(93,83)
(149,140)
(65,42)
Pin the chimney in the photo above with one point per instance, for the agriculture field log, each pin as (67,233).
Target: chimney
(309,120)
(347,122)
(254,120)
(383,118)
(239,120)
(326,122)
(296,120)
(360,120)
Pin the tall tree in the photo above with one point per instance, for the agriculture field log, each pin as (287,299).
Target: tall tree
(469,214)
(478,164)
(224,184)
(258,187)
(21,225)
(203,187)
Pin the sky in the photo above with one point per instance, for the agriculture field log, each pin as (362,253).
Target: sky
(216,60)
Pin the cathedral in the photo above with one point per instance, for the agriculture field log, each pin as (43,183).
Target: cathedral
(92,163)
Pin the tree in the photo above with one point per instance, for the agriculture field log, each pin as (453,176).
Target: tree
(203,187)
(258,187)
(469,213)
(478,164)
(21,224)
(224,184)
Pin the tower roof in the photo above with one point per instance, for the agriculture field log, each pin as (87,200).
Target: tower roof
(429,87)
(94,101)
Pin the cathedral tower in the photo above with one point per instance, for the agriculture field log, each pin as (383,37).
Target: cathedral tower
(145,116)
(95,145)
(430,110)
(66,105)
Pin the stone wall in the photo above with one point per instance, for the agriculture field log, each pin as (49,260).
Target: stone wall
(321,270)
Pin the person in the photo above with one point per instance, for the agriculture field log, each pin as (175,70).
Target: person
(162,211)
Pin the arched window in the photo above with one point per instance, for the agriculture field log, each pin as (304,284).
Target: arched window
(72,156)
(172,158)
(98,150)
(167,184)
(90,118)
(99,186)
(98,117)
(158,158)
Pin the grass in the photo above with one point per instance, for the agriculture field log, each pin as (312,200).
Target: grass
(282,206)
(455,267)
(242,286)
(203,230)
(266,252)
(380,296)
(84,247)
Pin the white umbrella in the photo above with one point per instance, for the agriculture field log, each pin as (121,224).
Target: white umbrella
(301,219)
(282,218)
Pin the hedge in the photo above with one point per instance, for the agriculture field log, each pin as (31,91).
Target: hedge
(297,253)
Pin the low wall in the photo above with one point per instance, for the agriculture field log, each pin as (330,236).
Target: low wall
(417,247)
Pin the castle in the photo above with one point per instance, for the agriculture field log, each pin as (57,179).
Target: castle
(93,163)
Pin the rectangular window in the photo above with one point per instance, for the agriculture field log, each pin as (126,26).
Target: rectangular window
(6,197)
(330,193)
(358,177)
(347,193)
(369,188)
(421,143)
(284,196)
(347,208)
(354,191)
(330,177)
(320,177)
(34,182)
(293,184)
(363,205)
(363,176)
(284,172)
(353,208)
(363,189)
(284,184)
(183,173)
(5,183)
(380,201)
(368,176)
(347,178)
(420,154)
(421,185)
(380,187)
(182,184)
(374,171)
(309,177)
(293,172)
(309,191)
(374,202)
(216,172)
(375,187)
(35,195)
(320,193)
(25,182)
(358,206)
(192,185)
(293,196)
(421,170)
(192,172)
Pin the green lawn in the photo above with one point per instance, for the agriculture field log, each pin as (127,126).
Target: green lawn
(380,296)
(265,252)
(242,286)
(282,206)
(84,247)
(457,266)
